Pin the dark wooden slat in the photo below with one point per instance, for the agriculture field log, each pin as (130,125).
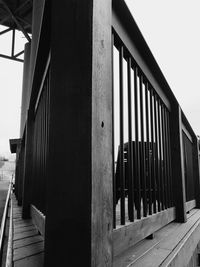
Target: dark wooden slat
(153,153)
(164,157)
(122,167)
(130,148)
(148,149)
(142,157)
(137,151)
(170,166)
(160,153)
(157,178)
(113,138)
(167,158)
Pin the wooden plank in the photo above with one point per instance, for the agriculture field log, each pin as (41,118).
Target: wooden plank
(29,250)
(134,253)
(22,224)
(24,229)
(25,234)
(27,241)
(165,249)
(38,219)
(190,205)
(33,261)
(126,236)
(181,255)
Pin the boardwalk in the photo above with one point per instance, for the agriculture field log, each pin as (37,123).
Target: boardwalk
(28,244)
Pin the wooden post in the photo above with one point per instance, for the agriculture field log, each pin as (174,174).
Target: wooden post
(78,230)
(177,156)
(21,174)
(196,171)
(27,189)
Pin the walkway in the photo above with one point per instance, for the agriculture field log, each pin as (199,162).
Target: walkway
(28,244)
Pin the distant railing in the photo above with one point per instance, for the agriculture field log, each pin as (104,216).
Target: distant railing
(41,124)
(4,222)
(142,172)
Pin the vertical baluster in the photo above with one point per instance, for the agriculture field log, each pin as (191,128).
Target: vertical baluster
(137,152)
(164,157)
(142,158)
(148,149)
(122,167)
(169,154)
(153,152)
(113,141)
(167,159)
(130,148)
(160,157)
(156,153)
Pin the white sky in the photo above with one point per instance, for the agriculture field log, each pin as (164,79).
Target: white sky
(10,93)
(171,29)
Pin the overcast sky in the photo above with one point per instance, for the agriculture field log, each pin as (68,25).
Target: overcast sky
(10,92)
(171,29)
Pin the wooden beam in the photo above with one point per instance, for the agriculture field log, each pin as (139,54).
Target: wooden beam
(177,160)
(28,177)
(196,170)
(127,236)
(38,219)
(79,186)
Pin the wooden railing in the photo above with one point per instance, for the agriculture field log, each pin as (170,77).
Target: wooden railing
(155,170)
(40,148)
(4,223)
(142,174)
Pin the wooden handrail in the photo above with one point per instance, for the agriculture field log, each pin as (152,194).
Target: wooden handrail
(9,255)
(3,222)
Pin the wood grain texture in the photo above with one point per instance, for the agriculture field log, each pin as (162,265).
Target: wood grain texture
(29,250)
(32,261)
(190,205)
(102,192)
(38,219)
(81,129)
(177,160)
(128,235)
(171,248)
(27,241)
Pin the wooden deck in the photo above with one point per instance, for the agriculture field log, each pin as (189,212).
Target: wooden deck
(172,245)
(28,244)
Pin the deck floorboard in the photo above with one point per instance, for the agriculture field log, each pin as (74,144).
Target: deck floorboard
(28,244)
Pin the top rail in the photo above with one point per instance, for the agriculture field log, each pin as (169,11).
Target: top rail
(3,222)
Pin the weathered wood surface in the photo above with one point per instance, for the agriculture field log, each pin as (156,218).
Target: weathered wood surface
(28,244)
(190,205)
(38,219)
(173,245)
(126,236)
(81,111)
